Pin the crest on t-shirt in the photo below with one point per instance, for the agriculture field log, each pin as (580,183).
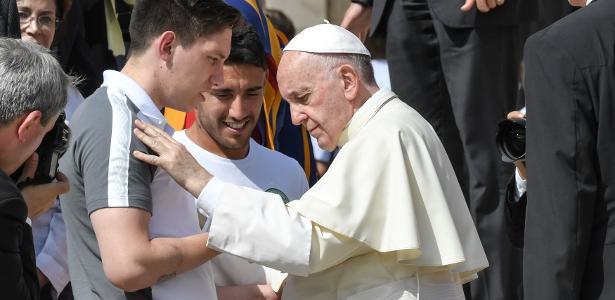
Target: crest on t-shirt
(278,192)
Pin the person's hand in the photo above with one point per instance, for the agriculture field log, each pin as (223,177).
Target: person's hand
(41,197)
(482,5)
(357,20)
(172,157)
(521,167)
(42,279)
(267,292)
(517,115)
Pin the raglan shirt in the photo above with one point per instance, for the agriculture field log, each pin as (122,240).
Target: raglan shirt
(103,174)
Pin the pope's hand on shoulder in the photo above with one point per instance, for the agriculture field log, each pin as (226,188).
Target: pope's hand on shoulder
(172,157)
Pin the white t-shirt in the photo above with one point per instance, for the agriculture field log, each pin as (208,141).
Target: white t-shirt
(262,169)
(174,215)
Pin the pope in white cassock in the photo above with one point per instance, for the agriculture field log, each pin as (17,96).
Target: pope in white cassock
(388,219)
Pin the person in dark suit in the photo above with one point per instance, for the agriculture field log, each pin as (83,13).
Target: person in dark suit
(9,20)
(459,67)
(516,196)
(32,95)
(569,248)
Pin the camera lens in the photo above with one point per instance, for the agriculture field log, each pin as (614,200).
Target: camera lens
(511,140)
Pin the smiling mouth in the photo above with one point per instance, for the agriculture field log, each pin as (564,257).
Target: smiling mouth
(236,125)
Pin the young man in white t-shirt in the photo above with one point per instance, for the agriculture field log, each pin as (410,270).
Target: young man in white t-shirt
(220,141)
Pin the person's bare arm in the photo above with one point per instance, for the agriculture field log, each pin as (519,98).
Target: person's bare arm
(357,20)
(131,261)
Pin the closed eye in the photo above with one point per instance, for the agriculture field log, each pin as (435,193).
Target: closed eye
(223,96)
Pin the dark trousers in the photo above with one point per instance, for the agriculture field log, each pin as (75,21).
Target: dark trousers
(463,81)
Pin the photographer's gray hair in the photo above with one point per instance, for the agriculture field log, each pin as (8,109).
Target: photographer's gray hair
(30,79)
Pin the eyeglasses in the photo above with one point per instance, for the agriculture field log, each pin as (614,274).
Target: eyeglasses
(46,21)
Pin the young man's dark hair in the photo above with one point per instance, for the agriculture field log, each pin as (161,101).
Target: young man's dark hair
(246,48)
(189,19)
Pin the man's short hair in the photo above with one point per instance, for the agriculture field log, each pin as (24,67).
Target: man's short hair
(246,48)
(30,79)
(189,19)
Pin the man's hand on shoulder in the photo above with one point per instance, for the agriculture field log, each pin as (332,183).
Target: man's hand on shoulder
(172,157)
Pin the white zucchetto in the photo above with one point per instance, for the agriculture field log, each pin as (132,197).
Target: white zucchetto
(327,38)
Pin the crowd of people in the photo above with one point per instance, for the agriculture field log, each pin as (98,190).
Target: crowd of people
(192,137)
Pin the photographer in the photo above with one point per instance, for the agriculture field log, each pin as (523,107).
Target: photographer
(32,95)
(511,141)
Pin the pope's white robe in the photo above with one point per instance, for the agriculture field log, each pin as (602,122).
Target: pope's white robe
(387,221)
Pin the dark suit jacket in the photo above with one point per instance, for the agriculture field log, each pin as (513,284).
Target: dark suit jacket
(9,19)
(18,279)
(570,219)
(448,12)
(83,49)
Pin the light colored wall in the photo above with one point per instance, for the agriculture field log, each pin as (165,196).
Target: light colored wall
(305,13)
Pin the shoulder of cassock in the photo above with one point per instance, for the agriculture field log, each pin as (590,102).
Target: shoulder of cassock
(393,188)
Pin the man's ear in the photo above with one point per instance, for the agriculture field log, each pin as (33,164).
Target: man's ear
(165,45)
(29,126)
(350,81)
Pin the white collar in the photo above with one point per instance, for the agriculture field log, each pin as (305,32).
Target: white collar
(148,112)
(364,114)
(588,1)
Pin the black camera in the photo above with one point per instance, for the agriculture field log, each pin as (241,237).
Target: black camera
(52,147)
(511,140)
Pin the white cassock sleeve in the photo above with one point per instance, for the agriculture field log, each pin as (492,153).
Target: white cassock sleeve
(260,228)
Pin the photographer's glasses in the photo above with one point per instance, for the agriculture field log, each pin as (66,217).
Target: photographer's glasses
(47,21)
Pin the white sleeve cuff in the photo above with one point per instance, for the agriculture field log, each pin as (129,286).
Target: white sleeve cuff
(53,270)
(209,196)
(29,221)
(520,185)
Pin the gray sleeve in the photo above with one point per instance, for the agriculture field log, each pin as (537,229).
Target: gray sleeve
(112,176)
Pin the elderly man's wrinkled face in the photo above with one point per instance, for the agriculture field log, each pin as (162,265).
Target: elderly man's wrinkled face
(316,97)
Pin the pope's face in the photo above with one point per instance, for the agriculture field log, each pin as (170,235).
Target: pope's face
(316,97)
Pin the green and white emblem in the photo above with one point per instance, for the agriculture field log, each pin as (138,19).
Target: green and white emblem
(278,192)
